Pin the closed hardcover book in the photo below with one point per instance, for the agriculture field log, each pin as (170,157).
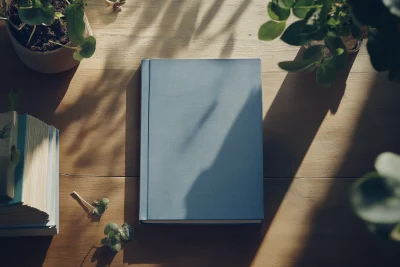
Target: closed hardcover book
(201,141)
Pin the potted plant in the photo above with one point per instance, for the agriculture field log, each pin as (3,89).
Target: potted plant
(375,198)
(382,18)
(49,36)
(336,28)
(325,28)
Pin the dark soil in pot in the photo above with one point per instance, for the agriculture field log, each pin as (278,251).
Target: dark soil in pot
(57,32)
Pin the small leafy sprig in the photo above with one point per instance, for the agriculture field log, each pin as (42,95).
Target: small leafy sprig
(98,206)
(116,236)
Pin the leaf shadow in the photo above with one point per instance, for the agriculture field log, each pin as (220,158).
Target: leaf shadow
(103,256)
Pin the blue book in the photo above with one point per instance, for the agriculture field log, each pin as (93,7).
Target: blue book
(201,141)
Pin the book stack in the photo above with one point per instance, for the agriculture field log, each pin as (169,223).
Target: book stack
(29,180)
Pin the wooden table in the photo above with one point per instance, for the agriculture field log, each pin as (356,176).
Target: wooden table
(317,141)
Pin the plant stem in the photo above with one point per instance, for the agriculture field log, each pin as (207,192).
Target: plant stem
(30,37)
(75,193)
(67,2)
(66,46)
(12,24)
(307,7)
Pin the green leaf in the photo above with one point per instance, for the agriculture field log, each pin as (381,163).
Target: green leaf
(104,202)
(98,211)
(86,51)
(111,228)
(393,6)
(314,53)
(101,202)
(311,58)
(116,247)
(298,65)
(285,3)
(320,34)
(298,33)
(326,72)
(105,241)
(276,12)
(75,25)
(395,234)
(387,164)
(376,199)
(88,47)
(271,30)
(36,13)
(126,232)
(332,21)
(58,15)
(337,48)
(114,238)
(77,56)
(301,8)
(100,206)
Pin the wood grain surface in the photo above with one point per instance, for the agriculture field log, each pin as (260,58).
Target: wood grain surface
(317,141)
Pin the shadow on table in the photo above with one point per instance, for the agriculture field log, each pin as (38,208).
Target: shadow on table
(40,93)
(103,256)
(24,251)
(337,237)
(100,98)
(289,129)
(180,28)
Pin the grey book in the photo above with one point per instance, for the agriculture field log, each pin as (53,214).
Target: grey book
(201,141)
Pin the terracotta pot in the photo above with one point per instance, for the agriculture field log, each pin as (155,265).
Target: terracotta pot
(55,61)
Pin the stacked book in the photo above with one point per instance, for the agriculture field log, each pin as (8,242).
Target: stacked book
(29,181)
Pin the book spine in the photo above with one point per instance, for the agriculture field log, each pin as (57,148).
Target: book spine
(50,169)
(144,138)
(57,179)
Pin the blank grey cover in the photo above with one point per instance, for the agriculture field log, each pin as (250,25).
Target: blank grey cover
(201,140)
